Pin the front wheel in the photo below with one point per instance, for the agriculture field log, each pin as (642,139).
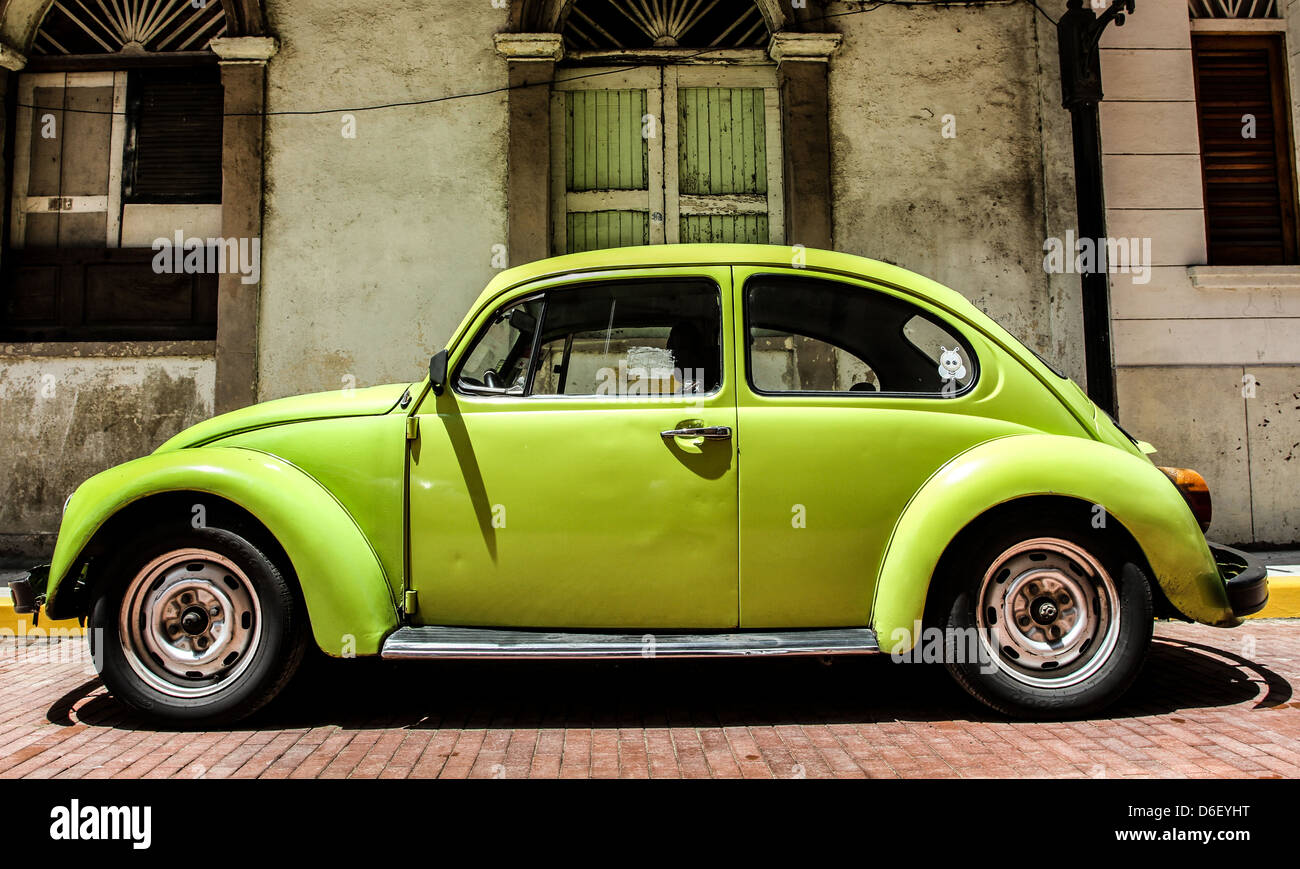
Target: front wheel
(1061,623)
(196,626)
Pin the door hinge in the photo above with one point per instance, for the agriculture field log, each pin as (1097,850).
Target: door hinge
(412,427)
(411,602)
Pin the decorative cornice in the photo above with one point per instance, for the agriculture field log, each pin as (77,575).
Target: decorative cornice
(803,46)
(244,49)
(10,59)
(530,46)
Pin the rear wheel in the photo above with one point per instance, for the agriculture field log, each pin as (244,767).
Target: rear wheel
(1061,621)
(196,625)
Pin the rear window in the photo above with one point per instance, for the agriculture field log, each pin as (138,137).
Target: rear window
(814,335)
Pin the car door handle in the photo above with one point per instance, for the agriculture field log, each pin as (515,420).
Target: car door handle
(709,433)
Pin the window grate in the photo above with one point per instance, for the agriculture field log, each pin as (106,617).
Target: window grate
(1233,9)
(174,137)
(111,26)
(628,24)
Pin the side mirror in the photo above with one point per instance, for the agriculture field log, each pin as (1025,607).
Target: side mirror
(438,372)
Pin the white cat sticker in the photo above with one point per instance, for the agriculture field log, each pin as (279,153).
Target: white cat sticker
(950,365)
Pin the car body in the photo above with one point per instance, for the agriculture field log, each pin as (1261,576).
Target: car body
(715,449)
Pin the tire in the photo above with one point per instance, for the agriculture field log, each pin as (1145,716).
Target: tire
(196,626)
(1060,620)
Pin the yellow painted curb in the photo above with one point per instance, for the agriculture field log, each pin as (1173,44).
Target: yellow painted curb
(1283,598)
(13,624)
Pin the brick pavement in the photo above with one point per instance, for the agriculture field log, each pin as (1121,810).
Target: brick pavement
(1210,703)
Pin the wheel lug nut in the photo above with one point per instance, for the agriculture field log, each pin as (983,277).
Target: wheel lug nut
(214,611)
(202,642)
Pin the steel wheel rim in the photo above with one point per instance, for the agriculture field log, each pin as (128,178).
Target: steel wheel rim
(190,623)
(1048,613)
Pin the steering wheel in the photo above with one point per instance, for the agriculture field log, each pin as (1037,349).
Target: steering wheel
(491,379)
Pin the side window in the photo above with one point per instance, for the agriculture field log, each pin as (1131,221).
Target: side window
(499,360)
(783,361)
(813,335)
(631,339)
(950,357)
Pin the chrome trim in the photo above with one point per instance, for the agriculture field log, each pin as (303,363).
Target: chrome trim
(457,642)
(709,433)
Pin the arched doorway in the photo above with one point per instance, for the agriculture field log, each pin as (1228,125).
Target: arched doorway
(127,116)
(665,126)
(663,121)
(117,142)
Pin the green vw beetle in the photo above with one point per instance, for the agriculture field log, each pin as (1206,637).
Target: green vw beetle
(694,450)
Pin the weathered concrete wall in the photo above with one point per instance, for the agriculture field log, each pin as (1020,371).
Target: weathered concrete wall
(1244,441)
(375,246)
(63,419)
(971,211)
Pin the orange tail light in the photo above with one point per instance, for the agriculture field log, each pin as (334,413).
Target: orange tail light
(1195,492)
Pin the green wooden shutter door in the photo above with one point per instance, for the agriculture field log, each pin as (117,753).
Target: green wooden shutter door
(727,228)
(722,184)
(604,150)
(593,230)
(722,141)
(722,152)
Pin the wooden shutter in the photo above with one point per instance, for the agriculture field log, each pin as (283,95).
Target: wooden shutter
(728,161)
(606,177)
(1249,192)
(174,144)
(68,160)
(710,172)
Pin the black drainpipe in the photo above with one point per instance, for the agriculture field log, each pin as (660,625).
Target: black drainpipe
(1078,33)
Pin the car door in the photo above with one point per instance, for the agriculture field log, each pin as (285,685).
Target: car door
(850,397)
(543,492)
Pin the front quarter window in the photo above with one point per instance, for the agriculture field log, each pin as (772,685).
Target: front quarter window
(498,362)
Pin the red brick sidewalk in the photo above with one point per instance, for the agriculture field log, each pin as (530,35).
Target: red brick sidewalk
(1210,703)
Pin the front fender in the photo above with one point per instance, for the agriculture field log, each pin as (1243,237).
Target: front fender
(342,580)
(1130,489)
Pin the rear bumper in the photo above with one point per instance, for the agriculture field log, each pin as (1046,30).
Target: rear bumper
(1244,577)
(28,592)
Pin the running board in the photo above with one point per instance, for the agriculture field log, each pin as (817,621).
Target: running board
(451,642)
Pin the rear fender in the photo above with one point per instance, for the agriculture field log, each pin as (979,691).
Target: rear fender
(1122,487)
